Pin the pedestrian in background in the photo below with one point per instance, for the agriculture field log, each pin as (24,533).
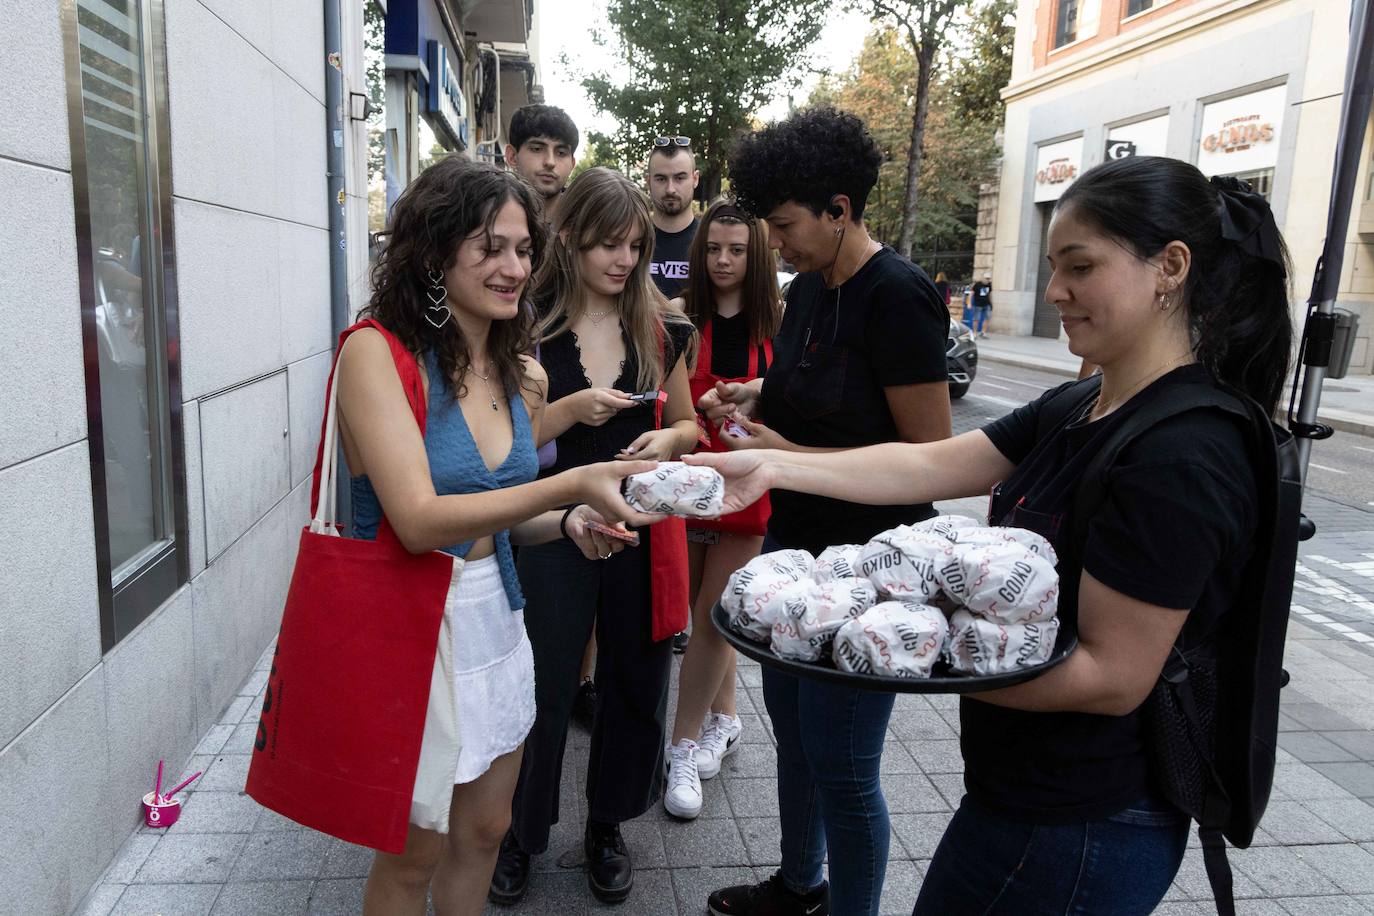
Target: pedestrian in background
(942,287)
(732,298)
(980,304)
(672,177)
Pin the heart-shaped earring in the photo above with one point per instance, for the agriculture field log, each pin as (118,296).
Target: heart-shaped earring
(438,315)
(436,294)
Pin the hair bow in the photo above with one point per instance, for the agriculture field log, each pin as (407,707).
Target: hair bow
(1248,221)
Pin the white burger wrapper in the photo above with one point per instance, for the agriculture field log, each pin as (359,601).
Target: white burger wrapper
(805,628)
(901,563)
(752,593)
(838,562)
(979,646)
(983,536)
(946,526)
(674,488)
(895,639)
(1004,582)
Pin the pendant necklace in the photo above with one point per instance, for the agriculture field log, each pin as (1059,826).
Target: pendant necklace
(597,317)
(486,383)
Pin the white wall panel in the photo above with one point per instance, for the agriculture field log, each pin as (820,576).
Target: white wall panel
(302,255)
(307,383)
(195,486)
(34,127)
(245,460)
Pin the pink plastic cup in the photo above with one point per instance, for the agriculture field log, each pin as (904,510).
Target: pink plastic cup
(162,814)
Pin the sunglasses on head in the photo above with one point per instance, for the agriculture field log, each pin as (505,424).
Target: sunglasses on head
(672,141)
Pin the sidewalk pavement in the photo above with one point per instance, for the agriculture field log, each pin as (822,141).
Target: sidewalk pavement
(1314,853)
(1347,404)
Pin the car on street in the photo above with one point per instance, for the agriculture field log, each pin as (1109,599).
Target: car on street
(961,359)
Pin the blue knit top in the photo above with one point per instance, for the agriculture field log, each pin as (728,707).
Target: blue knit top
(456,466)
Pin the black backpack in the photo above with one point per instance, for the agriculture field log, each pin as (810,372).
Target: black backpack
(1212,718)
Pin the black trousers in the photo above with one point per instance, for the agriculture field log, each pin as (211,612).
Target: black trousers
(564,593)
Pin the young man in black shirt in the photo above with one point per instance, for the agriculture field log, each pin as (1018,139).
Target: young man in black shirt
(672,176)
(543,150)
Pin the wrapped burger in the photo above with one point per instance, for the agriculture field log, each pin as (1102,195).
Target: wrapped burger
(946,526)
(805,628)
(674,488)
(895,639)
(980,646)
(755,593)
(838,562)
(901,563)
(1004,582)
(982,536)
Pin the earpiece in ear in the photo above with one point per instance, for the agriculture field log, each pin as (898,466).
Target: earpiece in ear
(835,210)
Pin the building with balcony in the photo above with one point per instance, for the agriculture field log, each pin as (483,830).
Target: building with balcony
(1250,88)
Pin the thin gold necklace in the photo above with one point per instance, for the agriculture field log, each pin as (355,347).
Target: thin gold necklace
(1147,378)
(597,317)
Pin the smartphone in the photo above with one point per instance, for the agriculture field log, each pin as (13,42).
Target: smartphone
(645,396)
(629,537)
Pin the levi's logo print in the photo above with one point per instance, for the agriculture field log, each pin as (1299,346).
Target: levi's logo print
(669,270)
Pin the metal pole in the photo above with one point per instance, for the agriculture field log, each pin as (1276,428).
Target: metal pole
(1317,334)
(334,166)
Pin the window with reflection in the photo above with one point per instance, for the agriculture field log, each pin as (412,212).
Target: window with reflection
(1066,22)
(118,222)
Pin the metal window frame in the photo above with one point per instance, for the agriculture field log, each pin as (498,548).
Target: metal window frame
(165,566)
(1133,7)
(1065,27)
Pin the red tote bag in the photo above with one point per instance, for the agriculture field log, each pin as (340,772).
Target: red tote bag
(338,742)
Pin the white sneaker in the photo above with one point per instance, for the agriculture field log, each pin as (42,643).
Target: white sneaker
(683,797)
(719,736)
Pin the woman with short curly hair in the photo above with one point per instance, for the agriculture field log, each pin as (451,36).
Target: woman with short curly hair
(859,360)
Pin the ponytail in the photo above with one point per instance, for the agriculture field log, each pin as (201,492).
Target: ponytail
(1237,294)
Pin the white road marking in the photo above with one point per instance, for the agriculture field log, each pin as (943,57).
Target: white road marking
(1014,381)
(1005,402)
(1325,468)
(991,385)
(1363,449)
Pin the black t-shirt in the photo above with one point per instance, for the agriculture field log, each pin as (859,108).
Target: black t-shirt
(982,294)
(668,267)
(581,444)
(730,348)
(836,352)
(1176,529)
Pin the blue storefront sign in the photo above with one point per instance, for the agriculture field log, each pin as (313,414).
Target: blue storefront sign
(446,103)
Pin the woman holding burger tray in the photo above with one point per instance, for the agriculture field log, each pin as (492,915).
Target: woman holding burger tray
(859,359)
(1175,286)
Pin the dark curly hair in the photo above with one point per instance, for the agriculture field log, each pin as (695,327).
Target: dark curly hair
(809,158)
(530,121)
(449,202)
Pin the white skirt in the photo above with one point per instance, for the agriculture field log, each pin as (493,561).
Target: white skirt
(481,698)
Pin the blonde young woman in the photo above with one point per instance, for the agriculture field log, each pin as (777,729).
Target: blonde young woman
(605,333)
(732,298)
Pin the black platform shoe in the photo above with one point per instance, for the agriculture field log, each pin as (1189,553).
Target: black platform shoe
(511,878)
(609,870)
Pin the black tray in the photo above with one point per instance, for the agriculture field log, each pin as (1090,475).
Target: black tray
(942,679)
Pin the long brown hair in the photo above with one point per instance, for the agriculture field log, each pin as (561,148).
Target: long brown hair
(602,205)
(759,297)
(450,201)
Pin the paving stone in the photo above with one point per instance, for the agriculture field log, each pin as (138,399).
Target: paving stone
(192,858)
(217,812)
(1354,819)
(266,898)
(938,756)
(920,833)
(920,723)
(1318,717)
(564,836)
(1358,743)
(753,797)
(1323,906)
(1279,870)
(710,843)
(1312,747)
(714,800)
(254,685)
(281,856)
(238,708)
(345,860)
(130,858)
(341,897)
(912,793)
(755,731)
(1289,724)
(901,884)
(270,820)
(1261,907)
(1357,778)
(228,773)
(214,739)
(166,900)
(1349,866)
(1302,782)
(645,841)
(241,740)
(101,900)
(1181,908)
(1289,823)
(762,836)
(1192,879)
(896,760)
(751,760)
(556,894)
(950,786)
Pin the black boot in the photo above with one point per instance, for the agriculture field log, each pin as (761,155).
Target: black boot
(511,878)
(609,871)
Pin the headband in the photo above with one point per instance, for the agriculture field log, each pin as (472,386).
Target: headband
(1248,221)
(731,211)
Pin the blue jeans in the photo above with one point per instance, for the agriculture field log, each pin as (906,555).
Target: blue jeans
(830,745)
(987,865)
(974,316)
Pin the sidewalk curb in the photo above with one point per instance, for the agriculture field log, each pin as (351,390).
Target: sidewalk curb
(1341,421)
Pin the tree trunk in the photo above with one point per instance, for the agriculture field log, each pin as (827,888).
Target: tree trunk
(925,56)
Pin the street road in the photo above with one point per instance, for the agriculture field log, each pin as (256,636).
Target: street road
(1342,467)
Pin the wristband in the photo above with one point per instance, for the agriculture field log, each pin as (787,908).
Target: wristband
(563,522)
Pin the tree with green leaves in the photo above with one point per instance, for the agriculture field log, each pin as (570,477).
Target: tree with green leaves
(924,26)
(982,68)
(700,68)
